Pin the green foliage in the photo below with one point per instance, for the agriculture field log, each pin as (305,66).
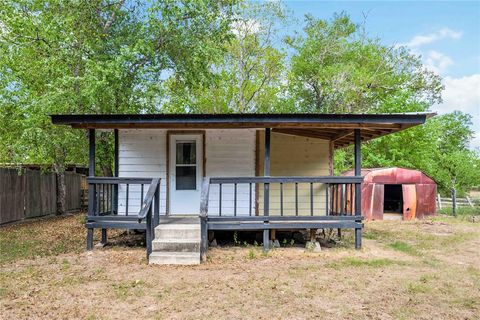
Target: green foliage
(96,57)
(462,211)
(235,238)
(439,148)
(251,254)
(248,77)
(337,68)
(209,56)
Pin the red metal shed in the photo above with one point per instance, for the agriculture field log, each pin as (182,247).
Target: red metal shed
(396,193)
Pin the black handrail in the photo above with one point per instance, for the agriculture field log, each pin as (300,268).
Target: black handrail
(147,202)
(153,193)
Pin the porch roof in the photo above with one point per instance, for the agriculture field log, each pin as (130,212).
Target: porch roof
(337,128)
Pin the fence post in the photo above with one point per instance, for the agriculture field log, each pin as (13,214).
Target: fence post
(439,201)
(469,201)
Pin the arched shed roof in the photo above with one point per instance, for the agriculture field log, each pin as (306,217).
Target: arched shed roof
(393,176)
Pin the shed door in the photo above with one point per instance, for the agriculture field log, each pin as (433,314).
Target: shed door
(409,201)
(427,196)
(186,166)
(377,201)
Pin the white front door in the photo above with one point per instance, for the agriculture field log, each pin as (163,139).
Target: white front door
(186,167)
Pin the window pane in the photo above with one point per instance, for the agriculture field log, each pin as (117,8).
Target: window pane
(186,152)
(186,178)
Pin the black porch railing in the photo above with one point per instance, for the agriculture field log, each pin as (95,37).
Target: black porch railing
(105,191)
(105,213)
(280,203)
(284,196)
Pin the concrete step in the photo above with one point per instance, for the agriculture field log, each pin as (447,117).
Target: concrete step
(176,245)
(177,231)
(180,258)
(392,216)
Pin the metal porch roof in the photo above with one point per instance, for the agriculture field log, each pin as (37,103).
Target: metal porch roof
(337,128)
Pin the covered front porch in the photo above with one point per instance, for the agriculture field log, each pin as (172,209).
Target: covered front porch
(261,202)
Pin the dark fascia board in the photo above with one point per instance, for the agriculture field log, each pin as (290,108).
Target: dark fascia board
(109,121)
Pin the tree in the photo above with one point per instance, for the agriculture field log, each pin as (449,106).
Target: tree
(439,148)
(458,167)
(248,75)
(96,57)
(337,68)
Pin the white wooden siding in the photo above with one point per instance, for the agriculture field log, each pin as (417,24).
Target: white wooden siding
(142,154)
(296,156)
(230,153)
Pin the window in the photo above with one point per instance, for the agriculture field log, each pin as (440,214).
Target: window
(186,165)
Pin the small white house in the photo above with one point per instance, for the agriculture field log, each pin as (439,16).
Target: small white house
(182,158)
(235,171)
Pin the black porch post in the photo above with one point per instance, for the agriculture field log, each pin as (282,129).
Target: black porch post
(91,187)
(115,171)
(266,189)
(358,187)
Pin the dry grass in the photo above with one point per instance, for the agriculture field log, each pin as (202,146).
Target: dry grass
(423,270)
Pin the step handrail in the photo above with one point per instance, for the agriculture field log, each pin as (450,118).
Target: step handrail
(153,196)
(147,202)
(204,197)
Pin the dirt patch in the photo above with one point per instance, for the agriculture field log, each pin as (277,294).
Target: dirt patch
(378,282)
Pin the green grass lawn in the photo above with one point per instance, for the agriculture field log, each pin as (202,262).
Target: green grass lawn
(406,270)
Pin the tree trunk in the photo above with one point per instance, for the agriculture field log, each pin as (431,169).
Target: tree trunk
(105,153)
(61,188)
(454,202)
(106,170)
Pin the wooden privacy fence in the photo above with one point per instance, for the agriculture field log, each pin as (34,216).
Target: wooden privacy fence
(73,183)
(34,194)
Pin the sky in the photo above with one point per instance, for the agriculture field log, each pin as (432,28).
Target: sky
(445,33)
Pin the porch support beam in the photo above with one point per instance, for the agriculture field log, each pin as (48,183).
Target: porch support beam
(266,190)
(266,171)
(358,186)
(115,170)
(91,188)
(91,152)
